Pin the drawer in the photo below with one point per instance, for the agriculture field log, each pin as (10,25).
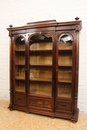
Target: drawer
(64,106)
(40,103)
(20,99)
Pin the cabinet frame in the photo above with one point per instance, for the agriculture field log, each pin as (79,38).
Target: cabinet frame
(55,106)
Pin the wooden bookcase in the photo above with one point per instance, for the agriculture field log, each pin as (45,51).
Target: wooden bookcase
(44,63)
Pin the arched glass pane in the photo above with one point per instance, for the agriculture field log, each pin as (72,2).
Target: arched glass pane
(41,42)
(65,41)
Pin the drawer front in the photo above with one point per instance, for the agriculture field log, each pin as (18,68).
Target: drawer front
(40,103)
(20,99)
(64,106)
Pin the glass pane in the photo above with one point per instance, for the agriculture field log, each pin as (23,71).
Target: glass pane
(40,54)
(20,43)
(64,90)
(20,58)
(19,86)
(41,60)
(20,47)
(64,75)
(65,59)
(19,68)
(40,75)
(20,72)
(41,89)
(41,46)
(40,38)
(65,37)
(66,46)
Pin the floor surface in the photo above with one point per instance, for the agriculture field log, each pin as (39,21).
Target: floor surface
(17,120)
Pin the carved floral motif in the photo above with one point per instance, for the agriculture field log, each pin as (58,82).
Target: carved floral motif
(40,103)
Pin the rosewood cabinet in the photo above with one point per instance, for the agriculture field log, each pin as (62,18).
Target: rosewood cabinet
(44,61)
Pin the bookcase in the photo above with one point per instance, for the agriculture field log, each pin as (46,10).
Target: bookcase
(44,64)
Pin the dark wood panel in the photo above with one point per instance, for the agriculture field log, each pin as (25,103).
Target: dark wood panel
(20,99)
(64,106)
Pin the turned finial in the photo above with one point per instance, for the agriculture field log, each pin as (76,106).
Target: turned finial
(77,18)
(10,25)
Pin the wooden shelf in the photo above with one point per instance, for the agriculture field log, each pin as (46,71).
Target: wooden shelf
(65,60)
(36,66)
(65,49)
(20,89)
(65,46)
(64,81)
(40,65)
(37,92)
(41,45)
(64,75)
(40,60)
(20,50)
(64,90)
(62,65)
(21,64)
(19,78)
(65,95)
(19,47)
(41,88)
(49,50)
(41,80)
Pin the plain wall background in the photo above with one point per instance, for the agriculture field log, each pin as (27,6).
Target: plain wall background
(19,12)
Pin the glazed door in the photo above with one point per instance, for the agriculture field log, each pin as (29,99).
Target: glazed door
(19,70)
(65,73)
(40,72)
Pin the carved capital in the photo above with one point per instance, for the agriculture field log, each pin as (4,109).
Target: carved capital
(77,28)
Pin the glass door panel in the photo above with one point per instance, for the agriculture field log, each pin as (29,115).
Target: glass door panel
(20,58)
(41,88)
(64,75)
(19,86)
(65,59)
(41,46)
(41,75)
(64,90)
(20,72)
(65,48)
(20,47)
(40,60)
(40,64)
(19,64)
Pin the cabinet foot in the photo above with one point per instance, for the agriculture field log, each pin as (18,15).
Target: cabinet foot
(75,116)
